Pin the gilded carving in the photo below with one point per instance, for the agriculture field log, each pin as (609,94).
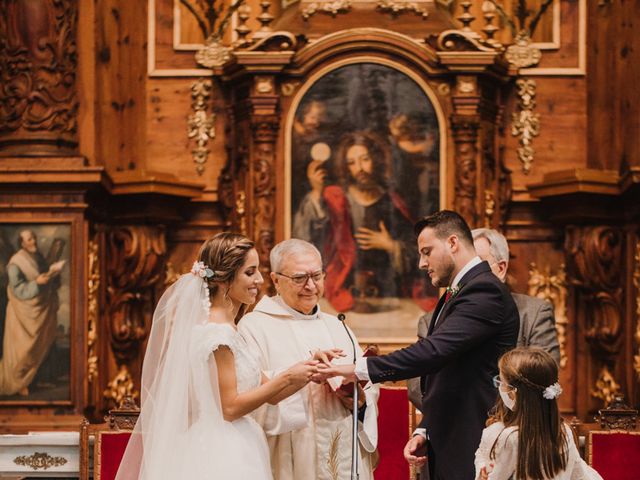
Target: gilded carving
(213,54)
(241,199)
(212,18)
(288,88)
(636,282)
(396,7)
(522,53)
(489,208)
(606,387)
(39,461)
(329,7)
(264,85)
(552,287)
(201,126)
(121,386)
(444,89)
(466,86)
(525,122)
(92,311)
(465,136)
(38,63)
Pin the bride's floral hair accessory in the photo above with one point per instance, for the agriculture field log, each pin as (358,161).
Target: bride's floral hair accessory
(552,391)
(201,270)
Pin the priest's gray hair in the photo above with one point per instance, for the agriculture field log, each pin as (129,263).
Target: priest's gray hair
(293,246)
(498,245)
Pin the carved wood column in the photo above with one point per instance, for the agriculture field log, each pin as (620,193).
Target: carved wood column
(264,127)
(465,136)
(595,258)
(135,268)
(38,103)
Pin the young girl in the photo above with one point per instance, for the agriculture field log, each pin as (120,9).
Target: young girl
(526,437)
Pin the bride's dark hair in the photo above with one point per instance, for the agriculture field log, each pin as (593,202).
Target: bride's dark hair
(224,254)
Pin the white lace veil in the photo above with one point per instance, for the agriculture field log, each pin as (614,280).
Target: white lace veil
(175,393)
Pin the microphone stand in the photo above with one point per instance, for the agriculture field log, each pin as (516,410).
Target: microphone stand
(354,440)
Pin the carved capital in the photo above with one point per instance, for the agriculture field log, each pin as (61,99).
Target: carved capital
(38,61)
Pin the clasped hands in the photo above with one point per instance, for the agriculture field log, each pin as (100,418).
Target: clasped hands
(323,369)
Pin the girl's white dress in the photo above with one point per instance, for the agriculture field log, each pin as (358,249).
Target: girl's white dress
(503,466)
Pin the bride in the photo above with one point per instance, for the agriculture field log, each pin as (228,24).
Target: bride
(199,379)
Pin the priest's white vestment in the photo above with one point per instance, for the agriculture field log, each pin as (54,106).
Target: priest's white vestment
(309,433)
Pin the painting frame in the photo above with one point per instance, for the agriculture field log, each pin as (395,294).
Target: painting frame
(74,274)
(391,336)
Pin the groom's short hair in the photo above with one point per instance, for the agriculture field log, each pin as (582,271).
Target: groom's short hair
(446,223)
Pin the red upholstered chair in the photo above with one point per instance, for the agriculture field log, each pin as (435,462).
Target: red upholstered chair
(109,442)
(615,454)
(394,428)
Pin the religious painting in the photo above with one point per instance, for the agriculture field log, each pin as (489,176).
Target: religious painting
(364,159)
(35,312)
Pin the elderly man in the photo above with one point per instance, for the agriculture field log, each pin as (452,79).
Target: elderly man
(537,323)
(476,321)
(309,434)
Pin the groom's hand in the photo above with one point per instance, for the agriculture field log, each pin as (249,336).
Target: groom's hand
(328,371)
(411,449)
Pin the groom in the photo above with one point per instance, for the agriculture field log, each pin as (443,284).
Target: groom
(475,322)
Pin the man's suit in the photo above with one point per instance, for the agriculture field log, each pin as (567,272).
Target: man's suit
(537,329)
(457,361)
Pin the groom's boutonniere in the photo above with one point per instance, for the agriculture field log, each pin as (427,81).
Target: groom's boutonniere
(452,292)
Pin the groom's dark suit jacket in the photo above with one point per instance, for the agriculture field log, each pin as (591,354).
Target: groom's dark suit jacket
(457,361)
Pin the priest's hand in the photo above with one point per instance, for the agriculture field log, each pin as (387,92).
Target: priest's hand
(347,398)
(325,356)
(413,451)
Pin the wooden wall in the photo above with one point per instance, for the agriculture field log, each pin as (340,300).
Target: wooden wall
(135,97)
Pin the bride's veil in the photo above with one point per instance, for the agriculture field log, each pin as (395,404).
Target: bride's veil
(176,391)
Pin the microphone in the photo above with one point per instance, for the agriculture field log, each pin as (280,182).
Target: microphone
(354,442)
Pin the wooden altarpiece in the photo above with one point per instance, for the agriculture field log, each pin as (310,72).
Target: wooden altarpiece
(463,74)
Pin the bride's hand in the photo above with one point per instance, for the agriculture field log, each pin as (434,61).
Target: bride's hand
(325,356)
(301,373)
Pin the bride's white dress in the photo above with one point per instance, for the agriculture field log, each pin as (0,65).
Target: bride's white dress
(223,450)
(181,432)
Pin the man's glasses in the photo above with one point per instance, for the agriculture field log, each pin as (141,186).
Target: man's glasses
(499,383)
(301,279)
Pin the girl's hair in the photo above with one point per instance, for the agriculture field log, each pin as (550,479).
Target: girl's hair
(542,442)
(224,254)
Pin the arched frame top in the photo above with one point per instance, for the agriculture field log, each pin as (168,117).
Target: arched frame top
(320,73)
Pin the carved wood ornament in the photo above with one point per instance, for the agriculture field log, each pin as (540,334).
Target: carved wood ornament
(135,268)
(594,257)
(38,62)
